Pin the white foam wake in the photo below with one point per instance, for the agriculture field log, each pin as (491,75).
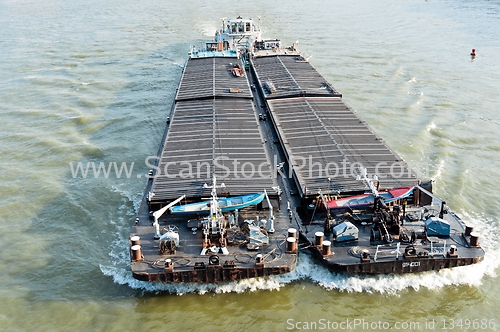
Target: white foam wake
(307,269)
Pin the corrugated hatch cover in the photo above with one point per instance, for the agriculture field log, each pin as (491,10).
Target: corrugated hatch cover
(321,132)
(211,130)
(317,128)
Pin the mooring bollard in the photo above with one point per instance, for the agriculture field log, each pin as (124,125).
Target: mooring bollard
(135,240)
(318,238)
(326,248)
(291,244)
(365,255)
(474,239)
(453,251)
(136,252)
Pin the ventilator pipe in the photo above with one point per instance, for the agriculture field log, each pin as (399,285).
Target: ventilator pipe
(416,194)
(271,229)
(441,213)
(230,219)
(156,226)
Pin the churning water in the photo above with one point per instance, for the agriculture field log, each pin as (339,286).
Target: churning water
(93,81)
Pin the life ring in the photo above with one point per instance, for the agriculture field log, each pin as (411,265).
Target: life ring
(213,260)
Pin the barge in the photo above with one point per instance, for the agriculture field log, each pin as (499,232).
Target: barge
(213,162)
(260,153)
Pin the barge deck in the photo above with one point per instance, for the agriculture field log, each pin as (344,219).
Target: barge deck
(213,130)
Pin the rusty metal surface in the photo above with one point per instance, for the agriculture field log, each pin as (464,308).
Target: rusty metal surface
(396,266)
(211,274)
